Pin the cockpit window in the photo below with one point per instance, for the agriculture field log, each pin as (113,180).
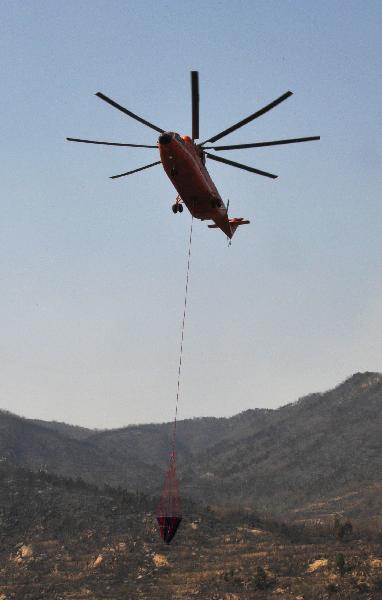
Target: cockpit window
(177,137)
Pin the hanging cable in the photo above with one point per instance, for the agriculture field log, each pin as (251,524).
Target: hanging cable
(169,512)
(181,342)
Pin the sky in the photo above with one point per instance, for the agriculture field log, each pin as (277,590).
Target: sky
(92,270)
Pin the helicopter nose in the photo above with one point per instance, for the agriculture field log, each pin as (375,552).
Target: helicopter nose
(165,138)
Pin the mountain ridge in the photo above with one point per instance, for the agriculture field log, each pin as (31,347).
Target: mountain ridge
(280,459)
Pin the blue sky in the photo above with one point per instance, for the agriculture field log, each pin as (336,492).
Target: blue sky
(93,270)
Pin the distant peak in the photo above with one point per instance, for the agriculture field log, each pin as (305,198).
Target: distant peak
(363,380)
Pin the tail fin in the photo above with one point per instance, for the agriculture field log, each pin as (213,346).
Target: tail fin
(236,221)
(233,224)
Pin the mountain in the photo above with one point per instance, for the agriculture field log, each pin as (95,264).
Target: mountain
(321,446)
(55,448)
(324,448)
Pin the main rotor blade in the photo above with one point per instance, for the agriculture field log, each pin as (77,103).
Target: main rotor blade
(109,143)
(128,112)
(195,104)
(240,166)
(261,144)
(136,170)
(258,113)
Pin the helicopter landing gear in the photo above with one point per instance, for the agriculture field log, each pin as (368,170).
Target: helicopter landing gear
(177,207)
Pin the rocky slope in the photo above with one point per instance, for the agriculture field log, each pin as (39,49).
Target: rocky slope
(63,539)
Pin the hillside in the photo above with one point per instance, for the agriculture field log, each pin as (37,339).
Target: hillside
(325,446)
(61,449)
(63,539)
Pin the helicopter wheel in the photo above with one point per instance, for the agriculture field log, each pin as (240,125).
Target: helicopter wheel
(180,208)
(174,208)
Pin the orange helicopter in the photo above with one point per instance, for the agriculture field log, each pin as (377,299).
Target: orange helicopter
(184,161)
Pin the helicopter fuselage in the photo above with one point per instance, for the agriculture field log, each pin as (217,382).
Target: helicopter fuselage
(183,163)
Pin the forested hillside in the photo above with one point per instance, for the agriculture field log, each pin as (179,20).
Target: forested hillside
(324,446)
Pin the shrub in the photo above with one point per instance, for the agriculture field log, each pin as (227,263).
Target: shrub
(340,563)
(260,581)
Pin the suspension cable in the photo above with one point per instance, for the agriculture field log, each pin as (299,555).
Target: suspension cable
(181,342)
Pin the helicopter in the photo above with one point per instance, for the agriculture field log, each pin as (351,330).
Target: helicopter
(184,160)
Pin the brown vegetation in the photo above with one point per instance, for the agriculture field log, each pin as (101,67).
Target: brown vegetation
(64,539)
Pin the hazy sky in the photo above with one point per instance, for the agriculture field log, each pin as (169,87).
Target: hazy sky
(93,270)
